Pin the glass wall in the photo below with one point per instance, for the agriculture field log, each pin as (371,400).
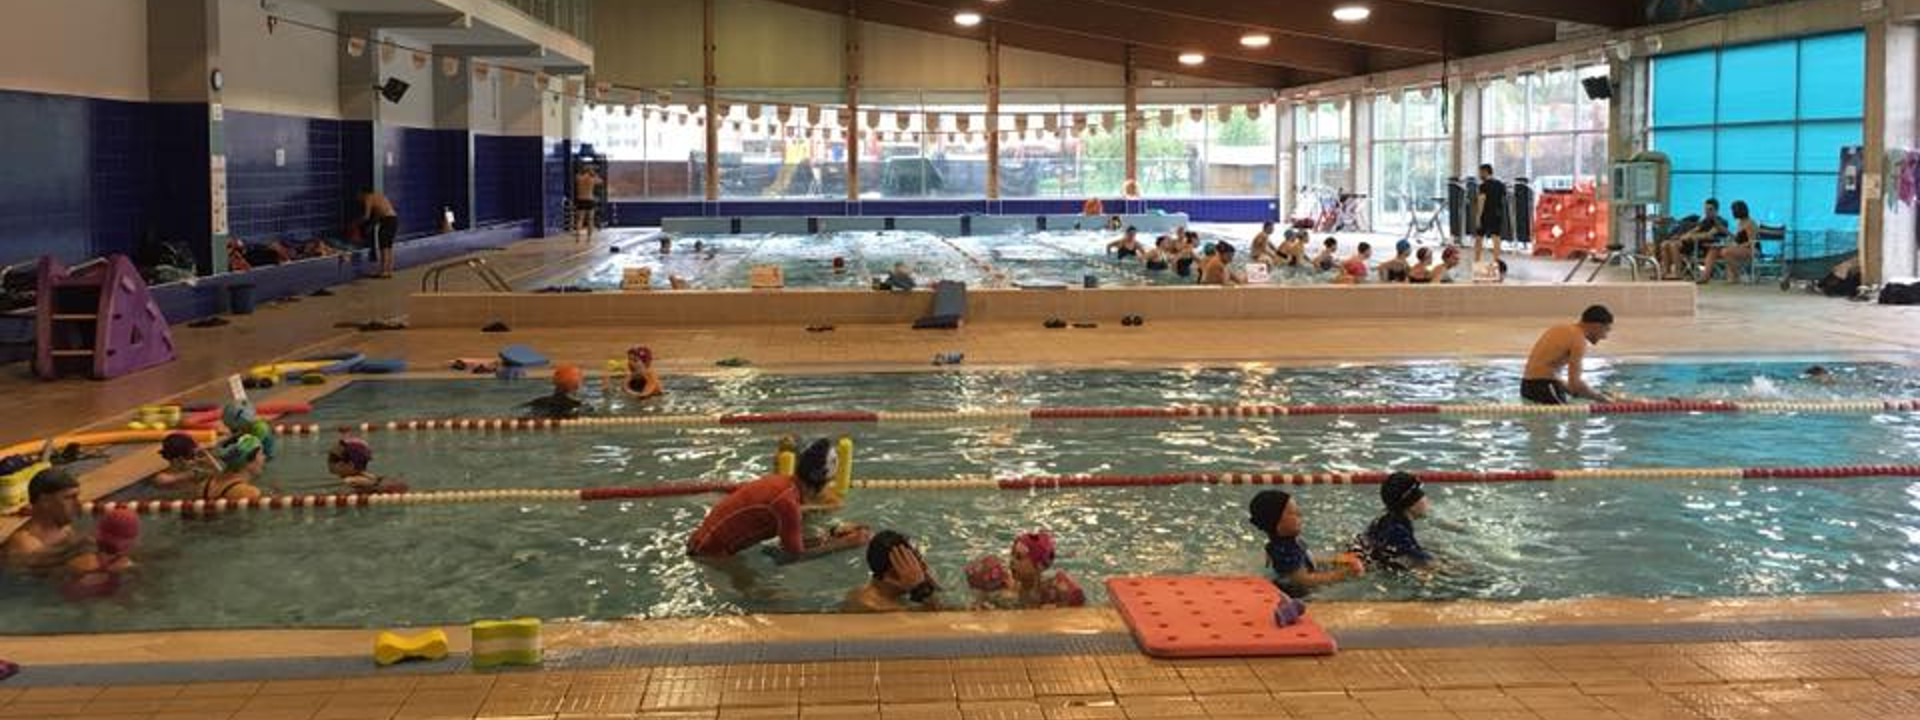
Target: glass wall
(1322,155)
(1762,123)
(1411,155)
(653,152)
(1542,126)
(778,150)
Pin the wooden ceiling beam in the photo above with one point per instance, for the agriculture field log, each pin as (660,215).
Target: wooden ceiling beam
(1605,13)
(1403,26)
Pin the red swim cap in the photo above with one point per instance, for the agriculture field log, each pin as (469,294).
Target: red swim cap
(640,354)
(568,378)
(115,532)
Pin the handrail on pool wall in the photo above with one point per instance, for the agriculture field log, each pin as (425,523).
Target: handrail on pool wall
(1029,483)
(1171,412)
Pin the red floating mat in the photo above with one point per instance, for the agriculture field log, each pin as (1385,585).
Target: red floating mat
(1201,616)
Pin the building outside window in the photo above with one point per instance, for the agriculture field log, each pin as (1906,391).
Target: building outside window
(1411,156)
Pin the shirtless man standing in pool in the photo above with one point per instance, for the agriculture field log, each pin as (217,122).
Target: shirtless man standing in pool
(1565,347)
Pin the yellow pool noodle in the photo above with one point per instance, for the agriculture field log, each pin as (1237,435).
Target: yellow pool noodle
(391,647)
(783,457)
(843,472)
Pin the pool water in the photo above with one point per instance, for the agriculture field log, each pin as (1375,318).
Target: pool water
(806,261)
(420,564)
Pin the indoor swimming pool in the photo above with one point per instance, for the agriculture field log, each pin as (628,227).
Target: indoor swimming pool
(1038,260)
(1656,537)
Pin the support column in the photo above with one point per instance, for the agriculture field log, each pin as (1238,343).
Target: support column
(453,123)
(1626,136)
(1360,166)
(708,80)
(1284,156)
(183,56)
(852,62)
(993,114)
(1887,234)
(1132,125)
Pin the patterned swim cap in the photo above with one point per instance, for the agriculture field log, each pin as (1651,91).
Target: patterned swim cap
(986,574)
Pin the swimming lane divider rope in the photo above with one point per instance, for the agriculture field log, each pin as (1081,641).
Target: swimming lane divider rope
(1174,412)
(1029,483)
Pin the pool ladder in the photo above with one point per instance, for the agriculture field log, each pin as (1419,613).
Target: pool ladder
(430,282)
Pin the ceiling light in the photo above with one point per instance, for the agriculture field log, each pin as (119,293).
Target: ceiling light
(1192,58)
(1352,13)
(1256,40)
(966,18)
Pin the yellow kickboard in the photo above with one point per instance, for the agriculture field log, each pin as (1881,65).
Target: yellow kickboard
(391,647)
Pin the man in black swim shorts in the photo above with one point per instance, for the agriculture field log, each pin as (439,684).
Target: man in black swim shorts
(1565,347)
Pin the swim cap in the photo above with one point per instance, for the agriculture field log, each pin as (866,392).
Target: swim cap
(238,451)
(1403,247)
(1401,491)
(986,574)
(568,378)
(178,446)
(880,551)
(1265,509)
(640,354)
(352,451)
(238,415)
(1063,591)
(1450,253)
(51,481)
(1036,547)
(814,465)
(115,532)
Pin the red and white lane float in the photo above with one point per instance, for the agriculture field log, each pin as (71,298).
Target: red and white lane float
(1174,412)
(1027,483)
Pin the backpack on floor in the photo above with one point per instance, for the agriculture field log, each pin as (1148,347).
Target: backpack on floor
(1897,294)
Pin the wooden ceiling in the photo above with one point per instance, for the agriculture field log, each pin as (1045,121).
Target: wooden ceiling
(1308,46)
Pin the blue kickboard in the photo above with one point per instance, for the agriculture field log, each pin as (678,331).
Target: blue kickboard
(521,356)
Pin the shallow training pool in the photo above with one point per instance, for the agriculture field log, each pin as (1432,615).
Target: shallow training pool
(807,261)
(420,564)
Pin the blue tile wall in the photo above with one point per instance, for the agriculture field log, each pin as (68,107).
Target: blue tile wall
(180,197)
(451,175)
(412,181)
(356,164)
(553,184)
(300,199)
(507,175)
(74,176)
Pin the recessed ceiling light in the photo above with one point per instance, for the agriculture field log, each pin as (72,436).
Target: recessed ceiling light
(1256,40)
(1352,13)
(1192,58)
(966,18)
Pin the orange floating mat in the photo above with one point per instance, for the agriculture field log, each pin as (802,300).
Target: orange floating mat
(1201,616)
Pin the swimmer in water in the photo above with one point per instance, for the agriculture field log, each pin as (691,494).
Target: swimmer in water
(561,404)
(1276,513)
(770,508)
(1155,257)
(47,542)
(1395,269)
(1389,542)
(1022,581)
(1324,261)
(1218,268)
(1564,347)
(1186,253)
(666,244)
(1128,246)
(641,380)
(1818,374)
(901,580)
(188,464)
(1261,249)
(349,459)
(97,574)
(242,460)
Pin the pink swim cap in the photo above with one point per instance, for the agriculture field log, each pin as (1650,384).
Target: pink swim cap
(1061,590)
(986,574)
(115,532)
(640,354)
(1036,547)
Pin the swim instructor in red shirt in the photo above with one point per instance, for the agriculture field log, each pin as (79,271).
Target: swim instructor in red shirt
(771,508)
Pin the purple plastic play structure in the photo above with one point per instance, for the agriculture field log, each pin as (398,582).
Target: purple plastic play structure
(99,319)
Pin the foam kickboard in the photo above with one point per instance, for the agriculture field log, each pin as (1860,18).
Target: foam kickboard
(1208,616)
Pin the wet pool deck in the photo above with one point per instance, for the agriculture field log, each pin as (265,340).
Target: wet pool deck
(1830,657)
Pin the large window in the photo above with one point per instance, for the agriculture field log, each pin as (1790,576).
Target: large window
(652,151)
(1410,155)
(781,150)
(1542,126)
(1321,153)
(923,145)
(1762,123)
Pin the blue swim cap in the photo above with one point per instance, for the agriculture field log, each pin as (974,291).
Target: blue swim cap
(1403,247)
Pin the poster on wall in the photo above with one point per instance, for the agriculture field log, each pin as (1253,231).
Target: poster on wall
(217,186)
(1852,164)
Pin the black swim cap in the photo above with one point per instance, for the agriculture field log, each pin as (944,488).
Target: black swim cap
(1401,491)
(1265,509)
(880,551)
(50,481)
(813,466)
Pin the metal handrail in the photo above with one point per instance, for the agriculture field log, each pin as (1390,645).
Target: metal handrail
(430,282)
